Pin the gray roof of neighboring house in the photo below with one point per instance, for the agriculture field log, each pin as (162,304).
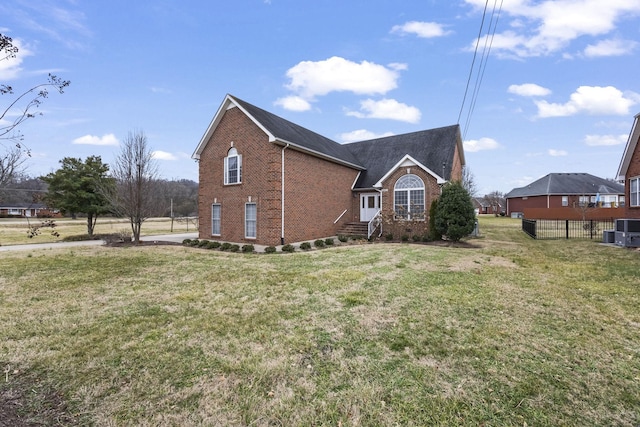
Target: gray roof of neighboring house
(567,184)
(433,148)
(287,131)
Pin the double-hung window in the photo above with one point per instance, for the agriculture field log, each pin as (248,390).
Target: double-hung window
(216,217)
(634,192)
(409,197)
(250,220)
(233,167)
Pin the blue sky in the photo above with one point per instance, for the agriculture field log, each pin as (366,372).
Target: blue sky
(557,92)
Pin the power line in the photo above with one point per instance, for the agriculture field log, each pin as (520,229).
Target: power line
(488,43)
(475,53)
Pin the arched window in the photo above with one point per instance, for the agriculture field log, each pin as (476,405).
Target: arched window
(233,167)
(408,197)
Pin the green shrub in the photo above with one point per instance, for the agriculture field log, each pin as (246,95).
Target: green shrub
(203,243)
(319,243)
(328,241)
(343,238)
(388,237)
(234,248)
(194,242)
(247,248)
(416,238)
(455,215)
(270,250)
(213,245)
(186,242)
(288,248)
(225,246)
(434,233)
(404,238)
(305,246)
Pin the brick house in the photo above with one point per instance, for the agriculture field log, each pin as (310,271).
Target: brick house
(629,171)
(567,196)
(268,181)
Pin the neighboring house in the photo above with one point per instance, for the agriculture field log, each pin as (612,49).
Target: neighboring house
(480,205)
(566,195)
(268,181)
(629,171)
(22,210)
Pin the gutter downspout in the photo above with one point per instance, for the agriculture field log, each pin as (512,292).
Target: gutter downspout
(282,197)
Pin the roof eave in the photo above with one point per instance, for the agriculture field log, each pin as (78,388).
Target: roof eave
(632,142)
(298,147)
(439,179)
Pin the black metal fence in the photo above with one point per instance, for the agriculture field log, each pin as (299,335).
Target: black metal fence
(547,229)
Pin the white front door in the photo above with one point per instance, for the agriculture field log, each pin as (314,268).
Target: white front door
(369,205)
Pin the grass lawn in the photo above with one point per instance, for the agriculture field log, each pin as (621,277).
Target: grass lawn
(512,332)
(13,231)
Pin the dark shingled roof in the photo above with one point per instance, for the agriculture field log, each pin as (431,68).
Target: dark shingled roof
(567,184)
(432,148)
(287,131)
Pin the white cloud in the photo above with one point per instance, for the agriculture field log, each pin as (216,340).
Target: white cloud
(362,135)
(387,109)
(163,155)
(557,153)
(591,100)
(529,89)
(108,139)
(546,27)
(309,79)
(482,144)
(611,47)
(599,140)
(421,29)
(293,103)
(10,68)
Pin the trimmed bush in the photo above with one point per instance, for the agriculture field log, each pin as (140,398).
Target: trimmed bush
(203,243)
(305,246)
(343,238)
(186,242)
(270,250)
(319,243)
(388,237)
(288,248)
(213,245)
(328,241)
(416,238)
(225,246)
(404,238)
(247,248)
(234,248)
(194,242)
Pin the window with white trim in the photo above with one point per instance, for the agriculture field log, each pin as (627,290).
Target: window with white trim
(216,217)
(634,192)
(233,167)
(565,200)
(250,220)
(408,197)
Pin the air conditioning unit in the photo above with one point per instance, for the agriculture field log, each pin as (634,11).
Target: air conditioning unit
(627,233)
(608,236)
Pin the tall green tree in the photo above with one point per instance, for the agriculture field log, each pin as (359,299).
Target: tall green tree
(455,216)
(77,187)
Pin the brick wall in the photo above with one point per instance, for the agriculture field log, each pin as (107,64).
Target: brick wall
(316,191)
(399,227)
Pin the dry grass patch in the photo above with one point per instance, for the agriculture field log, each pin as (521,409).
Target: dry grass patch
(542,333)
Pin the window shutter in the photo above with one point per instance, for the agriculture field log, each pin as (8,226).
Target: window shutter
(239,167)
